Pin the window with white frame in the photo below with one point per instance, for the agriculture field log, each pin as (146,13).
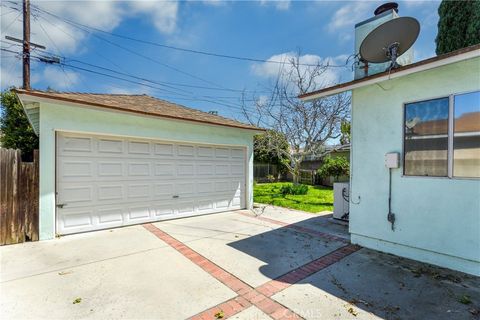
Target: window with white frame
(442,137)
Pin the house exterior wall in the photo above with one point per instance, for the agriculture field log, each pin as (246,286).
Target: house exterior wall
(437,219)
(63,117)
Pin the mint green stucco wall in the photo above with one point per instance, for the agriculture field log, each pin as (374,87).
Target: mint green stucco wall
(61,117)
(438,219)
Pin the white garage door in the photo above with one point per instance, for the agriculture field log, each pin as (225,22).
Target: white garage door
(105,182)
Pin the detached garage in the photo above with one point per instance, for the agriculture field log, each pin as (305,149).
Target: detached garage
(114,160)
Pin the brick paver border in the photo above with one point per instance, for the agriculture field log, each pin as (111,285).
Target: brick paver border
(246,294)
(324,235)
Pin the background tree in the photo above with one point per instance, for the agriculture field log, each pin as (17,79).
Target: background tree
(458,26)
(334,167)
(306,126)
(345,128)
(263,154)
(16,130)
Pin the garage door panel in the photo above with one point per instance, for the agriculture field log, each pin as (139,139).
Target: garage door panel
(222,169)
(140,212)
(139,169)
(164,190)
(138,147)
(184,189)
(109,146)
(76,144)
(186,207)
(163,209)
(165,169)
(237,169)
(114,181)
(110,169)
(205,169)
(110,192)
(136,191)
(76,194)
(163,149)
(110,216)
(237,153)
(205,152)
(73,219)
(185,169)
(236,202)
(185,151)
(70,168)
(221,152)
(205,187)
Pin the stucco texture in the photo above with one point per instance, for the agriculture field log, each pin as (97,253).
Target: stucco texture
(74,118)
(437,219)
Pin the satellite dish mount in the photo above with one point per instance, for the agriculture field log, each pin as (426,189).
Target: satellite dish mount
(392,53)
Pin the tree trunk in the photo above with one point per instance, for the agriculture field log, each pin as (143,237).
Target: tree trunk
(296,174)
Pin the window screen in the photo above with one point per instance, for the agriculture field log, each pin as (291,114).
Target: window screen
(466,135)
(426,138)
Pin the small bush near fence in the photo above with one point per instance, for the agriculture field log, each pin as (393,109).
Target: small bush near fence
(270,178)
(296,189)
(334,167)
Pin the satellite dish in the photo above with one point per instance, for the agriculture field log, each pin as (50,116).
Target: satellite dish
(389,41)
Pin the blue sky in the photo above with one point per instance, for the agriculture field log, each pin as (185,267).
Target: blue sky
(321,30)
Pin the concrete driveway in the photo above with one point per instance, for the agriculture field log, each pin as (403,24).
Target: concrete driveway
(280,264)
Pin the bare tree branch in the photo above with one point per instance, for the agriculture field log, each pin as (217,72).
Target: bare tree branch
(307,126)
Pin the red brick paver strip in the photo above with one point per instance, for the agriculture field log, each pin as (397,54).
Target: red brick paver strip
(320,234)
(247,295)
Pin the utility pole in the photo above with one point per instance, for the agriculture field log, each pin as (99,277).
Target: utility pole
(26,44)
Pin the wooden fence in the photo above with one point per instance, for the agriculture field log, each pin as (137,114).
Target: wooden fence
(262,170)
(18,197)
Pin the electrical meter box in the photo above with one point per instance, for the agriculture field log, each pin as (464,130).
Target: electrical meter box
(392,160)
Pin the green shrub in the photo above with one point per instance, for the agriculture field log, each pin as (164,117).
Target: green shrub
(270,178)
(334,167)
(296,189)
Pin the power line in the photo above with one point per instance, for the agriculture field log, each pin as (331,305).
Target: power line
(190,97)
(206,53)
(141,55)
(11,23)
(163,83)
(238,107)
(82,27)
(55,45)
(140,78)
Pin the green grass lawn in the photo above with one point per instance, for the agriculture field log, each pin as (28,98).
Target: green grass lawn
(317,199)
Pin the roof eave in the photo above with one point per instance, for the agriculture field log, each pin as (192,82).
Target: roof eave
(21,93)
(423,65)
(35,124)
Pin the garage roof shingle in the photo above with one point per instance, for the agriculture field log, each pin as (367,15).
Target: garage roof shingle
(142,104)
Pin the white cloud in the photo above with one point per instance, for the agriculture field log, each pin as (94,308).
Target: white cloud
(262,100)
(272,70)
(278,4)
(163,14)
(10,72)
(131,89)
(98,14)
(64,38)
(215,3)
(348,15)
(59,79)
(105,15)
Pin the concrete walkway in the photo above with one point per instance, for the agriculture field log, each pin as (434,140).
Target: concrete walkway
(278,264)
